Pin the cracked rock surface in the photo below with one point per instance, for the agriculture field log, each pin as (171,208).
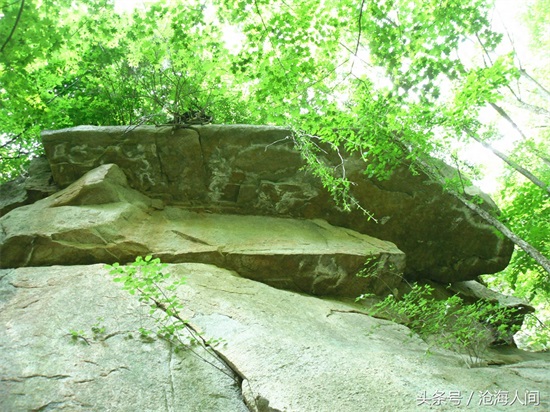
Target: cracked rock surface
(43,368)
(296,353)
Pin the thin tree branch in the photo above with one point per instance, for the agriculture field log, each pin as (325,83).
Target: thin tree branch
(14,26)
(506,117)
(541,88)
(527,106)
(351,51)
(12,140)
(534,108)
(359,27)
(530,107)
(266,30)
(511,163)
(485,51)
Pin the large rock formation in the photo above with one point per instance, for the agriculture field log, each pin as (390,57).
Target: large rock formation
(255,170)
(100,219)
(233,204)
(291,352)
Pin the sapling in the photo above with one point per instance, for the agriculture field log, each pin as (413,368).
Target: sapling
(147,279)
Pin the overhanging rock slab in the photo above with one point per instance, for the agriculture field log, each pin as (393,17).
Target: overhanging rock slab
(305,255)
(100,219)
(251,170)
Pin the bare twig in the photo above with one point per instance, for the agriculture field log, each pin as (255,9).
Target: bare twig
(258,12)
(507,117)
(359,29)
(12,140)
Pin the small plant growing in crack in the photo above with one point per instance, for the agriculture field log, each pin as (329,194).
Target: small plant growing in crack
(147,279)
(98,333)
(78,336)
(98,329)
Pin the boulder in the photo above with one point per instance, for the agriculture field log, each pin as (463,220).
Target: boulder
(472,291)
(12,195)
(99,218)
(256,170)
(286,351)
(24,190)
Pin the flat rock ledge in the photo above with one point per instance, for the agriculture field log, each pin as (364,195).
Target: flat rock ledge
(100,218)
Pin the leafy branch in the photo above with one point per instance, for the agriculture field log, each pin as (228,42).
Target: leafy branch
(451,324)
(146,279)
(338,186)
(19,14)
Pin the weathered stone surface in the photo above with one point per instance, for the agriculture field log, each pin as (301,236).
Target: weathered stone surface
(295,352)
(442,239)
(43,369)
(256,170)
(156,160)
(100,219)
(25,190)
(12,195)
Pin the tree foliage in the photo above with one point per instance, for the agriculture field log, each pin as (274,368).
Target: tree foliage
(394,80)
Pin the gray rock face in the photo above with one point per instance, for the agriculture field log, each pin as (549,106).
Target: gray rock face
(43,369)
(25,190)
(295,352)
(100,218)
(255,170)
